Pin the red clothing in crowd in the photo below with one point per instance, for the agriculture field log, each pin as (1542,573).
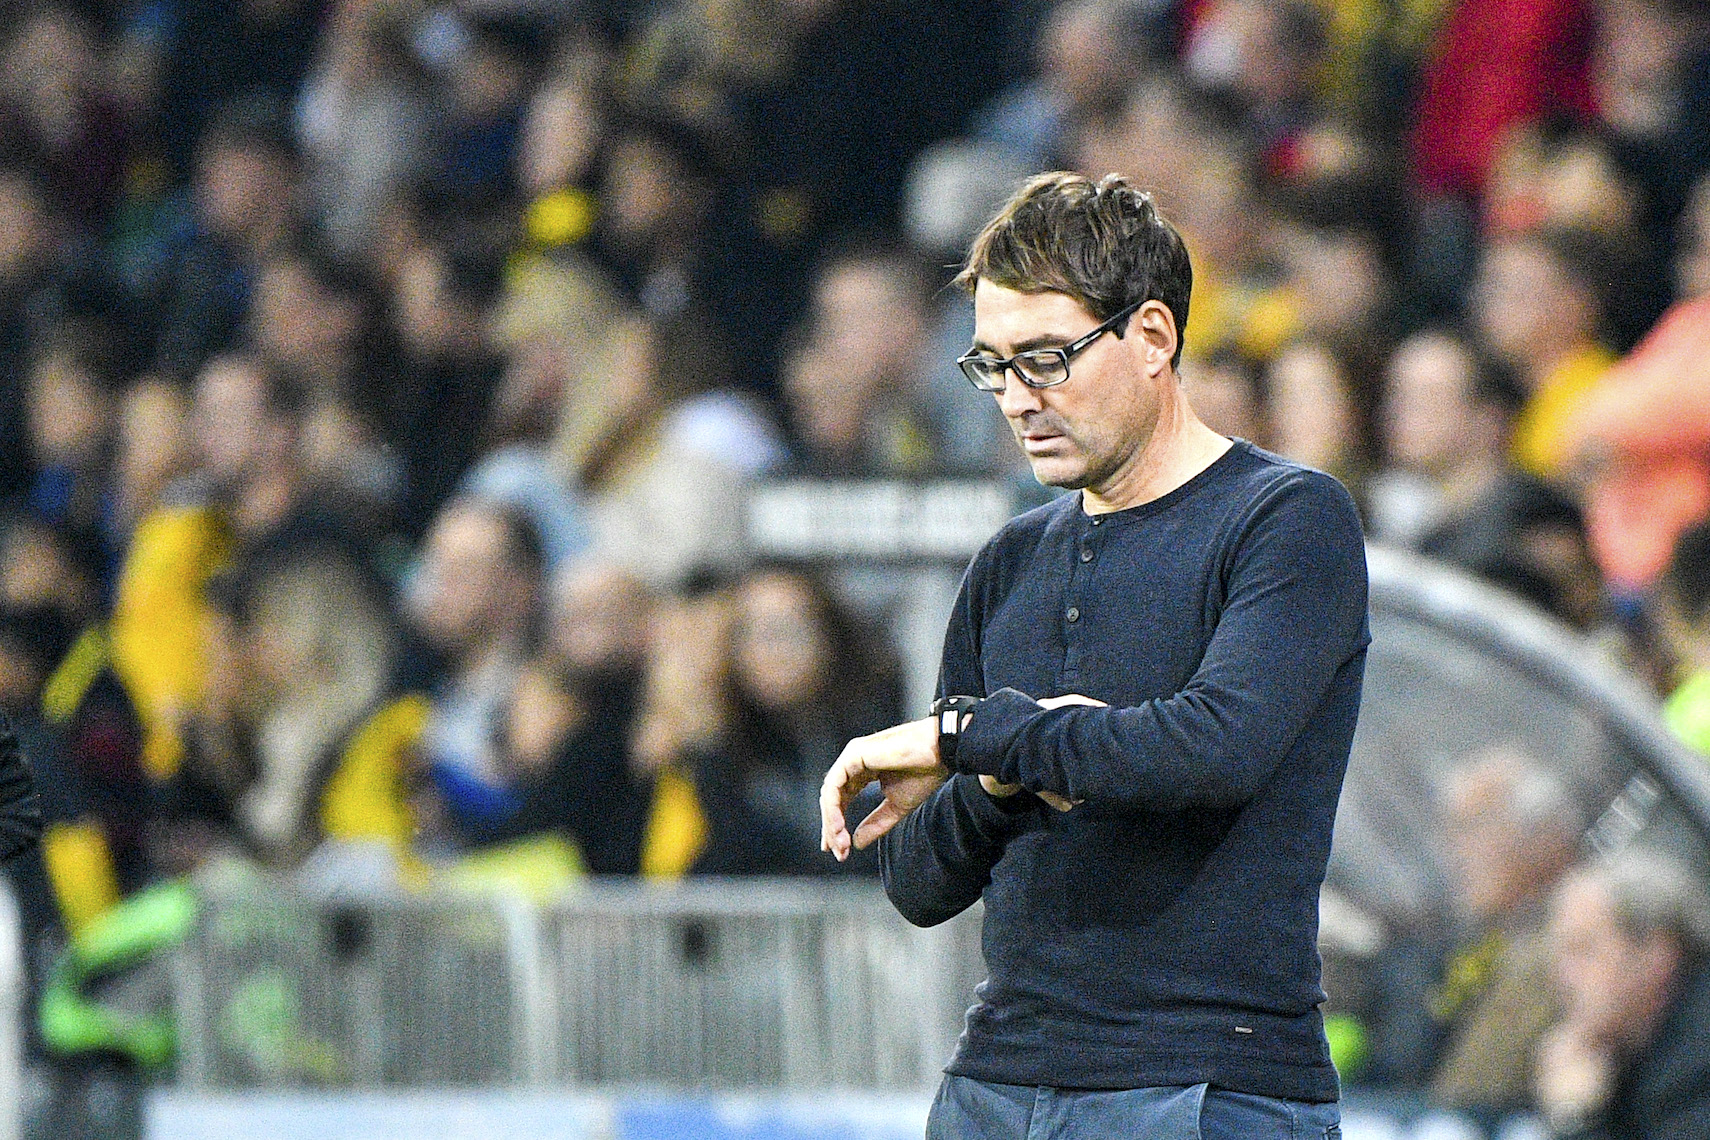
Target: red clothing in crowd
(1497,63)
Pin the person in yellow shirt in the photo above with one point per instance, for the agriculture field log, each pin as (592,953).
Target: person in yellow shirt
(245,419)
(1536,307)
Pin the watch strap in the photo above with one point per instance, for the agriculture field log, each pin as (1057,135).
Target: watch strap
(948,712)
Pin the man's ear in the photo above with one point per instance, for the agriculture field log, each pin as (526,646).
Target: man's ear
(1153,329)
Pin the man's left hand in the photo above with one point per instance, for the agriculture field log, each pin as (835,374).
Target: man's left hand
(904,761)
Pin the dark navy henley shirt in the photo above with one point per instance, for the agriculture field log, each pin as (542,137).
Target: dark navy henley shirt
(1164,931)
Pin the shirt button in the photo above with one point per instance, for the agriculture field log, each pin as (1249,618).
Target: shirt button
(1086,555)
(1073,614)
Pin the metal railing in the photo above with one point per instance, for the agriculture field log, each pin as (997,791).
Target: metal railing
(703,984)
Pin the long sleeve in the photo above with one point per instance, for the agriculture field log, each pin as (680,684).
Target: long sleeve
(20,809)
(937,862)
(1294,617)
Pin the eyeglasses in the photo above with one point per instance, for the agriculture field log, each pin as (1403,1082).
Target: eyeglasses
(1038,368)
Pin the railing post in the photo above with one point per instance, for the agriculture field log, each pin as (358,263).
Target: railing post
(12,1008)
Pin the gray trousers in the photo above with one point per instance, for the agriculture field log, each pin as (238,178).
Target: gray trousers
(966,1109)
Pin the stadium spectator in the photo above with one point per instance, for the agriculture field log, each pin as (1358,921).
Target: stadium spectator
(248,486)
(443,370)
(1443,420)
(1450,489)
(483,68)
(1313,419)
(70,410)
(362,118)
(1627,1058)
(1512,831)
(658,445)
(1650,76)
(562,132)
(953,187)
(1680,613)
(80,730)
(151,451)
(656,192)
(216,52)
(852,381)
(310,319)
(1537,309)
(304,650)
(193,272)
(1641,436)
(1226,392)
(803,680)
(684,707)
(1088,54)
(29,290)
(475,601)
(570,724)
(56,117)
(313,321)
(749,696)
(1336,280)
(1262,57)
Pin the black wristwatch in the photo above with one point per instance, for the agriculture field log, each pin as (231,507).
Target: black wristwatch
(948,712)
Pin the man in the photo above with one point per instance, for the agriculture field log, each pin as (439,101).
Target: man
(475,602)
(1453,492)
(1444,418)
(1537,309)
(246,426)
(1512,830)
(1627,1059)
(1170,666)
(851,384)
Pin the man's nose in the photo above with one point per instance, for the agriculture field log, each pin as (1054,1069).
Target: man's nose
(1017,399)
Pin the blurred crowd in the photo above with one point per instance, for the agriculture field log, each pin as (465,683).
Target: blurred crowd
(380,380)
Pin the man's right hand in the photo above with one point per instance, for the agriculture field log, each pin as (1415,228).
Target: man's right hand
(1004,791)
(902,760)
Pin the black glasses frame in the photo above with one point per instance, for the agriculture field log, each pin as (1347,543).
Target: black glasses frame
(995,367)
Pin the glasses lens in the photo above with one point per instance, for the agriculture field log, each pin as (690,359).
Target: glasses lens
(983,372)
(1045,367)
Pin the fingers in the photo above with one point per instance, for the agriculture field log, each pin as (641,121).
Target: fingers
(1003,791)
(833,828)
(1071,699)
(880,820)
(845,779)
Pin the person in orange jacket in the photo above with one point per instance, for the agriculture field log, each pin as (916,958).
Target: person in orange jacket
(1641,435)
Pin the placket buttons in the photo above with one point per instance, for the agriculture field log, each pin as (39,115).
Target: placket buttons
(1086,554)
(1074,614)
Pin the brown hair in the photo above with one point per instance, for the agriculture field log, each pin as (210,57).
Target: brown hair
(1103,243)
